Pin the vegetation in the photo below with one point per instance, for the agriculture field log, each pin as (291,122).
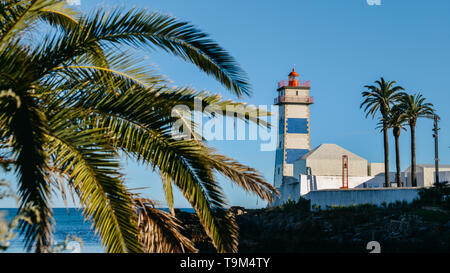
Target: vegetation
(439,196)
(415,107)
(396,121)
(380,98)
(397,108)
(76,98)
(301,204)
(400,227)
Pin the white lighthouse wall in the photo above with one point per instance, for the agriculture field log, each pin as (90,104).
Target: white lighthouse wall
(297,111)
(279,154)
(293,134)
(296,92)
(278,176)
(289,169)
(297,141)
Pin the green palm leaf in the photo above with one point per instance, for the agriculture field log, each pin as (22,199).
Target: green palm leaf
(140,28)
(28,129)
(72,102)
(91,166)
(160,231)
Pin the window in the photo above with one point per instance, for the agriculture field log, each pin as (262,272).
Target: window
(296,93)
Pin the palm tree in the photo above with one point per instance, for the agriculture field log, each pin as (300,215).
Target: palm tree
(396,121)
(415,107)
(379,99)
(72,101)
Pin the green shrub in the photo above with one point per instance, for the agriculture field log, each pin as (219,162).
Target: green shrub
(301,205)
(435,196)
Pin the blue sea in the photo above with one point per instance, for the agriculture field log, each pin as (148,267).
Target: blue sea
(68,222)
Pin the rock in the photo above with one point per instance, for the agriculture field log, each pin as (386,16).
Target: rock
(236,210)
(434,209)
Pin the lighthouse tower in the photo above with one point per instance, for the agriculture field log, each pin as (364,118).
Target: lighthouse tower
(294,141)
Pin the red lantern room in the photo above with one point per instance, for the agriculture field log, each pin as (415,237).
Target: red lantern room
(293,78)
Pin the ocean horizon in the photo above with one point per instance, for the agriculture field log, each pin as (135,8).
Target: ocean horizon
(68,222)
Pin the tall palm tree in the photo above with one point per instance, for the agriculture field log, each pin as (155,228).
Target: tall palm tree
(415,107)
(396,121)
(75,99)
(380,98)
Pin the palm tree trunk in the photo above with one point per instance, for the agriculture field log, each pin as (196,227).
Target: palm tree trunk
(398,175)
(413,155)
(386,155)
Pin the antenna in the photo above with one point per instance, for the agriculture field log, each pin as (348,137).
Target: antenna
(436,149)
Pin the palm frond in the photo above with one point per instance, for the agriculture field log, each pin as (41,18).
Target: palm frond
(380,98)
(167,185)
(415,107)
(244,176)
(18,16)
(81,102)
(92,167)
(159,231)
(145,29)
(28,127)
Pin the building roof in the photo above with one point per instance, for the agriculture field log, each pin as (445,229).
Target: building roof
(293,73)
(432,165)
(429,166)
(330,151)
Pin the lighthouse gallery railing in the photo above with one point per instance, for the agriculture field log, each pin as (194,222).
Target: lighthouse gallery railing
(294,99)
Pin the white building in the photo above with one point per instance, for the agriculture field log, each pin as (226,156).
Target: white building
(326,160)
(426,175)
(319,174)
(321,169)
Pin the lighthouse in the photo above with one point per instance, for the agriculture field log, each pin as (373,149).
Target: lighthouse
(293,102)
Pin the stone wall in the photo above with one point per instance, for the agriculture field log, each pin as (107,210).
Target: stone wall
(349,197)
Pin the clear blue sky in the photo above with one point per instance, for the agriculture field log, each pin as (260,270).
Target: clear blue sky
(339,45)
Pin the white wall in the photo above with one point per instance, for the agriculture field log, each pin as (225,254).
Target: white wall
(429,176)
(327,198)
(299,167)
(309,183)
(375,169)
(297,141)
(425,176)
(333,167)
(330,167)
(297,110)
(444,176)
(289,191)
(288,169)
(312,182)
